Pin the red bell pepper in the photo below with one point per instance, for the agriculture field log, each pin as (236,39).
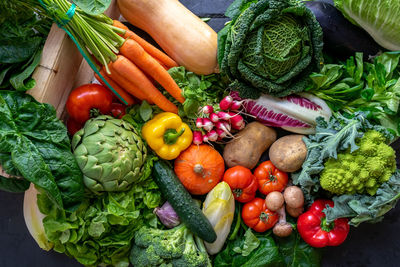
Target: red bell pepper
(314,229)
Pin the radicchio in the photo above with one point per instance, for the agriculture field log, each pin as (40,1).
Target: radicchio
(294,113)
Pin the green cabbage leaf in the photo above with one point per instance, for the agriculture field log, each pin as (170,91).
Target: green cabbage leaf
(381,19)
(270,46)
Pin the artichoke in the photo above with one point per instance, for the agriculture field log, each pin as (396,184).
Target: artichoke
(110,154)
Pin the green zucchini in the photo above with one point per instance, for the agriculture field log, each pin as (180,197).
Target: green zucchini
(183,204)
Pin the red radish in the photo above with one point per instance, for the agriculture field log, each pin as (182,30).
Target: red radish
(221,133)
(207,124)
(212,136)
(227,125)
(237,121)
(199,122)
(236,105)
(226,102)
(224,115)
(214,117)
(205,138)
(197,138)
(207,109)
(222,126)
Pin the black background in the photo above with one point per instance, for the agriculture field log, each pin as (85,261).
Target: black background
(368,245)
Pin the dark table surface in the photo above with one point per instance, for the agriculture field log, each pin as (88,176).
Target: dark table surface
(368,245)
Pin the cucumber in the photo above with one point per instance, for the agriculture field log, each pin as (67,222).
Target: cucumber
(183,204)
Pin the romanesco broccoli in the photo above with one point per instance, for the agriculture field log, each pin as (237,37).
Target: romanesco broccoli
(362,171)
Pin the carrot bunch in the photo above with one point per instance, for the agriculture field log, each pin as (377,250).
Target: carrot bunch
(137,63)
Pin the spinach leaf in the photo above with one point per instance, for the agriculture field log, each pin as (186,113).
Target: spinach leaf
(266,254)
(23,30)
(93,7)
(17,80)
(297,253)
(13,185)
(34,144)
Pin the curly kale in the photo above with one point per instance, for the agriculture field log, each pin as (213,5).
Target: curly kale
(335,141)
(270,46)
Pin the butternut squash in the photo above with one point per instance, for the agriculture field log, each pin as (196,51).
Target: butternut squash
(180,33)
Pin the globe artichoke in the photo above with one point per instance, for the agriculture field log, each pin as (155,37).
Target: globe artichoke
(110,154)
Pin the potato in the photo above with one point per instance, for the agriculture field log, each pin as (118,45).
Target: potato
(246,149)
(288,153)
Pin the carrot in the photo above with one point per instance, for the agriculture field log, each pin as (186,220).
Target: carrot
(149,48)
(132,73)
(126,96)
(133,51)
(124,83)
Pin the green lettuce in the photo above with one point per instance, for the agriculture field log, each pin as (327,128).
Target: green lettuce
(370,87)
(270,46)
(100,232)
(379,18)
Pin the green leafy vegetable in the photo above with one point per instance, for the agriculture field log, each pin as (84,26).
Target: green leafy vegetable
(270,46)
(250,243)
(335,137)
(102,229)
(380,19)
(197,90)
(354,85)
(93,7)
(264,250)
(364,208)
(297,253)
(265,254)
(34,144)
(23,31)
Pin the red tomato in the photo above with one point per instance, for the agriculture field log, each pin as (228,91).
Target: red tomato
(270,178)
(256,215)
(242,182)
(118,110)
(87,100)
(73,126)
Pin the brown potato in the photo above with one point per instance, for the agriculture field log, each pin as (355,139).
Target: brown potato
(288,153)
(248,145)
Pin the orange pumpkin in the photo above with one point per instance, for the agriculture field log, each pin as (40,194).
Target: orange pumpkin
(200,168)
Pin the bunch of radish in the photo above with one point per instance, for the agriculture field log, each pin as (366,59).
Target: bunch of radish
(217,125)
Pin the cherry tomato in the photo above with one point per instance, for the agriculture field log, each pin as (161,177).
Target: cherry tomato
(242,183)
(87,100)
(257,216)
(118,110)
(270,178)
(73,126)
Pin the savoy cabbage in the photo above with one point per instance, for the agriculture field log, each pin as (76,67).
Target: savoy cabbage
(270,46)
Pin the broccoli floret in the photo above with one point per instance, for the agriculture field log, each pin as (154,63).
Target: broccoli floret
(173,247)
(194,255)
(145,257)
(362,171)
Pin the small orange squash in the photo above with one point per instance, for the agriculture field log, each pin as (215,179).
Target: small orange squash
(199,168)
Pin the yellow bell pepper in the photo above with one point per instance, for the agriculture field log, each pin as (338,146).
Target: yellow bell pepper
(167,135)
